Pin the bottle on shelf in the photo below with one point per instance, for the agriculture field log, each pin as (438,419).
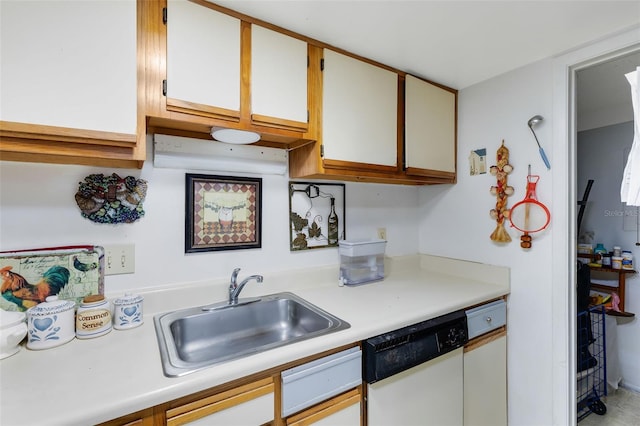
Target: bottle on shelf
(333,224)
(627,260)
(599,252)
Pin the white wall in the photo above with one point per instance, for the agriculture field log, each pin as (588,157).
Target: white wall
(600,157)
(455,222)
(38,210)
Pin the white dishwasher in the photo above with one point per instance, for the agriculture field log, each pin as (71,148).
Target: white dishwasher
(415,374)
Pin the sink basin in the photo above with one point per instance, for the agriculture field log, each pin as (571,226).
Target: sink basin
(195,338)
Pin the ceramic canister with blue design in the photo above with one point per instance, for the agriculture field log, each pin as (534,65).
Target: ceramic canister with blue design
(50,323)
(127,312)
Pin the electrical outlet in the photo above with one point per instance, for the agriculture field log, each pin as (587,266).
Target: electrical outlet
(382,233)
(119,259)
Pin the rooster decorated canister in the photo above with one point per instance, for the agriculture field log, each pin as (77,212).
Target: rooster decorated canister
(93,318)
(127,312)
(50,323)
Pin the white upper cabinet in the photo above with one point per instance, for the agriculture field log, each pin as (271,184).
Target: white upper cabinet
(278,75)
(359,112)
(69,64)
(430,120)
(203,56)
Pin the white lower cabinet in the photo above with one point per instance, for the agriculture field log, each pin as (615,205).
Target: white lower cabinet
(251,404)
(485,382)
(349,416)
(342,410)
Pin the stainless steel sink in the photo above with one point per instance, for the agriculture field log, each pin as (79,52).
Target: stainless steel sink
(195,338)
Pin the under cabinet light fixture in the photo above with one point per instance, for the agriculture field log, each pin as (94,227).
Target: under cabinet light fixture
(234,136)
(176,152)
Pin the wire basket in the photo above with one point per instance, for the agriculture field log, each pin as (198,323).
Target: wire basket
(592,370)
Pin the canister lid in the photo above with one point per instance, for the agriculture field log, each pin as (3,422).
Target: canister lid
(52,306)
(128,299)
(93,298)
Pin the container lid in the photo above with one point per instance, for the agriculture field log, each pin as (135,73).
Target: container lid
(52,306)
(10,318)
(359,242)
(362,248)
(128,299)
(93,298)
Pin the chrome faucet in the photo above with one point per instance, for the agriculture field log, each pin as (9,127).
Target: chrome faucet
(235,289)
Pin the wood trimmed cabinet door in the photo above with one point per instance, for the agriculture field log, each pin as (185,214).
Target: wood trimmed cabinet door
(359,115)
(485,380)
(209,66)
(69,83)
(430,129)
(342,410)
(250,404)
(203,61)
(279,65)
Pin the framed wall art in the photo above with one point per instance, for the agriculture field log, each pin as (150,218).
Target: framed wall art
(316,215)
(222,213)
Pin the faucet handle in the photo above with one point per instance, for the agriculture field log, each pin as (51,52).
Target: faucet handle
(234,276)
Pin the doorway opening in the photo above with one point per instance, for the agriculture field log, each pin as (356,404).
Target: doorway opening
(601,133)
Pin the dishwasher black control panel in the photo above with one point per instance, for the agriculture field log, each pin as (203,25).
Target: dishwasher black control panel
(396,351)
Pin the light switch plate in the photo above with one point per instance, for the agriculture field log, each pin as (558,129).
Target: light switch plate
(119,259)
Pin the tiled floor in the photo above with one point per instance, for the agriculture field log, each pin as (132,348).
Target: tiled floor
(623,409)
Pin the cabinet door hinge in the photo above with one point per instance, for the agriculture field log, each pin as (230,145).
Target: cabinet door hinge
(164,15)
(307,116)
(321,150)
(322,64)
(164,87)
(308,61)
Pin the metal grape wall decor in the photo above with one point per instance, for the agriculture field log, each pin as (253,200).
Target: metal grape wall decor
(111,199)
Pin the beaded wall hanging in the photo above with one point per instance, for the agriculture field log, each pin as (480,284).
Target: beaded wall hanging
(111,199)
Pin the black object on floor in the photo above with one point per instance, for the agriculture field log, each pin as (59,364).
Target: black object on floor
(591,362)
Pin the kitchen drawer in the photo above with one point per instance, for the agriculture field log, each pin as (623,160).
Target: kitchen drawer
(311,383)
(485,318)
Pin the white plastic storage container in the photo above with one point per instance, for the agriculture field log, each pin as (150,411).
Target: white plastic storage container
(361,261)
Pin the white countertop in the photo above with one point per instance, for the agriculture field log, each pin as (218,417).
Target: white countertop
(91,381)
